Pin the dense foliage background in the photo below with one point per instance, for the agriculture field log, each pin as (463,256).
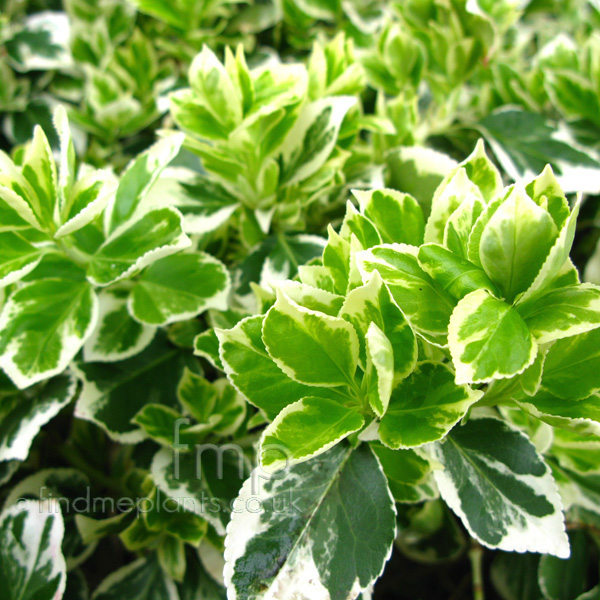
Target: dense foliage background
(168,164)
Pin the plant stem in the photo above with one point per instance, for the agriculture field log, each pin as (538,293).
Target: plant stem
(476,556)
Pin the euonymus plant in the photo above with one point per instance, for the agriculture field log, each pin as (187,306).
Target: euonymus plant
(265,333)
(396,368)
(83,254)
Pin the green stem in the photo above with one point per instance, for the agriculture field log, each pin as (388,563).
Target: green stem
(476,556)
(77,256)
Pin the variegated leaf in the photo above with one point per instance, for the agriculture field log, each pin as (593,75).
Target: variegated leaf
(398,217)
(251,369)
(40,172)
(501,489)
(42,327)
(488,339)
(456,276)
(23,417)
(306,429)
(313,136)
(32,566)
(117,335)
(448,198)
(310,347)
(113,393)
(86,200)
(425,407)
(379,374)
(134,246)
(303,540)
(17,257)
(572,367)
(179,287)
(409,474)
(204,481)
(515,243)
(427,306)
(373,303)
(562,312)
(582,416)
(138,178)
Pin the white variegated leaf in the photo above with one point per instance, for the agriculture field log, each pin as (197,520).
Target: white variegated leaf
(501,489)
(31,560)
(117,335)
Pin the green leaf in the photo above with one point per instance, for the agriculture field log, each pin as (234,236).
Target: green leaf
(198,584)
(426,305)
(312,138)
(42,327)
(155,235)
(515,242)
(488,340)
(17,257)
(306,429)
(197,396)
(501,489)
(373,303)
(113,393)
(582,416)
(425,407)
(204,482)
(32,565)
(336,256)
(138,178)
(515,576)
(67,157)
(557,258)
(142,579)
(171,556)
(398,217)
(564,579)
(545,190)
(460,224)
(253,372)
(408,474)
(332,542)
(86,200)
(15,212)
(593,594)
(116,336)
(179,287)
(379,374)
(40,172)
(562,312)
(206,345)
(309,346)
(359,225)
(448,198)
(572,367)
(311,297)
(23,417)
(213,85)
(168,427)
(456,276)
